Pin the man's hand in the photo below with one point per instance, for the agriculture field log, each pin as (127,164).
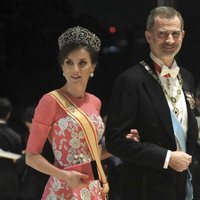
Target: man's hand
(179,160)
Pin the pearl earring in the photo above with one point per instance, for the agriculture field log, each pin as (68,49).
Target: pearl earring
(92,74)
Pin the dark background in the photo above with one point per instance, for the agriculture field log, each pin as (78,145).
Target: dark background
(28,43)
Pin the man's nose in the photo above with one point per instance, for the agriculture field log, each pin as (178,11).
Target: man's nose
(170,38)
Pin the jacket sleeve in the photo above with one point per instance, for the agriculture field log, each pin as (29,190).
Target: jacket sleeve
(122,117)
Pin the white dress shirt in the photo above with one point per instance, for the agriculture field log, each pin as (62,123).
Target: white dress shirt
(171,85)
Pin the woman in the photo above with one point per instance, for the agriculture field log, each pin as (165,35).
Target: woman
(78,57)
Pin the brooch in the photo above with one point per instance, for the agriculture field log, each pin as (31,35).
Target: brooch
(190,98)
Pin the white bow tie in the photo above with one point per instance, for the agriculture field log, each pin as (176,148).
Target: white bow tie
(168,71)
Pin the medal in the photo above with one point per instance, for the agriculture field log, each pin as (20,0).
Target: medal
(173,99)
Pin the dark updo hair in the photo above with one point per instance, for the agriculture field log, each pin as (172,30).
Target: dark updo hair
(70,47)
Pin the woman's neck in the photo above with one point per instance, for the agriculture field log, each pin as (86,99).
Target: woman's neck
(76,92)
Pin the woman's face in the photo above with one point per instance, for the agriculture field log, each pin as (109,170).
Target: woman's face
(77,67)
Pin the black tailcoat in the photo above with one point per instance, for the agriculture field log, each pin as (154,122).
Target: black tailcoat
(9,177)
(138,102)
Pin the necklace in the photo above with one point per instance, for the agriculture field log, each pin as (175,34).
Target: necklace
(173,99)
(168,83)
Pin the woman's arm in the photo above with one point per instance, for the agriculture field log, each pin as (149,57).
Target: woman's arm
(104,153)
(72,178)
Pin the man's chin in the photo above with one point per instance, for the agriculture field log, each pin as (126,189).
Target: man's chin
(169,54)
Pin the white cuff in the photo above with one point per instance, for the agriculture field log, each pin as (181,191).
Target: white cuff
(165,166)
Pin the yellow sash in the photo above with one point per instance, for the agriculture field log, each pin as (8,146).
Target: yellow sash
(88,130)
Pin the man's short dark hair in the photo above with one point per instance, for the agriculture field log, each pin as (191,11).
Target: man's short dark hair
(5,107)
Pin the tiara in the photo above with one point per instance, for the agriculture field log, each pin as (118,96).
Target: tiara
(79,34)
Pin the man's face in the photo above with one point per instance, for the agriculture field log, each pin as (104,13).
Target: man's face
(165,38)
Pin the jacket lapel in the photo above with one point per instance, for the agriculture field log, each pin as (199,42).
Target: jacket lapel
(158,99)
(192,133)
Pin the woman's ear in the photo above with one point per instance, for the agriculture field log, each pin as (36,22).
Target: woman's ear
(92,70)
(93,67)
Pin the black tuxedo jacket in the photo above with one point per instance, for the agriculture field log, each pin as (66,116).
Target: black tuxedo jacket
(9,179)
(138,101)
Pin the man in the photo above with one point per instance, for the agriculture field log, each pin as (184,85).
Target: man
(9,141)
(159,104)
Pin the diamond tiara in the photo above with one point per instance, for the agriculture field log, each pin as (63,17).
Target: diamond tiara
(79,34)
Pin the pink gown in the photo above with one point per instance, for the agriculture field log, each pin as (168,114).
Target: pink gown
(68,143)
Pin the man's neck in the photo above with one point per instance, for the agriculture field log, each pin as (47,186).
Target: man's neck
(161,62)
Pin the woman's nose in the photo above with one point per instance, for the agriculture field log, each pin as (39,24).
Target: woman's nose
(76,67)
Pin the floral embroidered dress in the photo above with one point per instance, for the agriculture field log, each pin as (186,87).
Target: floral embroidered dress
(68,143)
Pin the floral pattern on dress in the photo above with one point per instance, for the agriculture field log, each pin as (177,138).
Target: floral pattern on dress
(70,148)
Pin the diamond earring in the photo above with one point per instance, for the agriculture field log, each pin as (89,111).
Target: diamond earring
(92,74)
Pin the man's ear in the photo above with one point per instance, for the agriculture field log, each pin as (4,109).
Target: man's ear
(183,34)
(147,36)
(7,116)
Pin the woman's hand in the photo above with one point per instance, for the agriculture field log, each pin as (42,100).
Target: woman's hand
(134,135)
(75,179)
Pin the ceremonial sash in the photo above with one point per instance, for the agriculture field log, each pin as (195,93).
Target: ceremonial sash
(180,135)
(88,130)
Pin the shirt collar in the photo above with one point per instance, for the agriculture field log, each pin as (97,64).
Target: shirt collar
(160,62)
(2,121)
